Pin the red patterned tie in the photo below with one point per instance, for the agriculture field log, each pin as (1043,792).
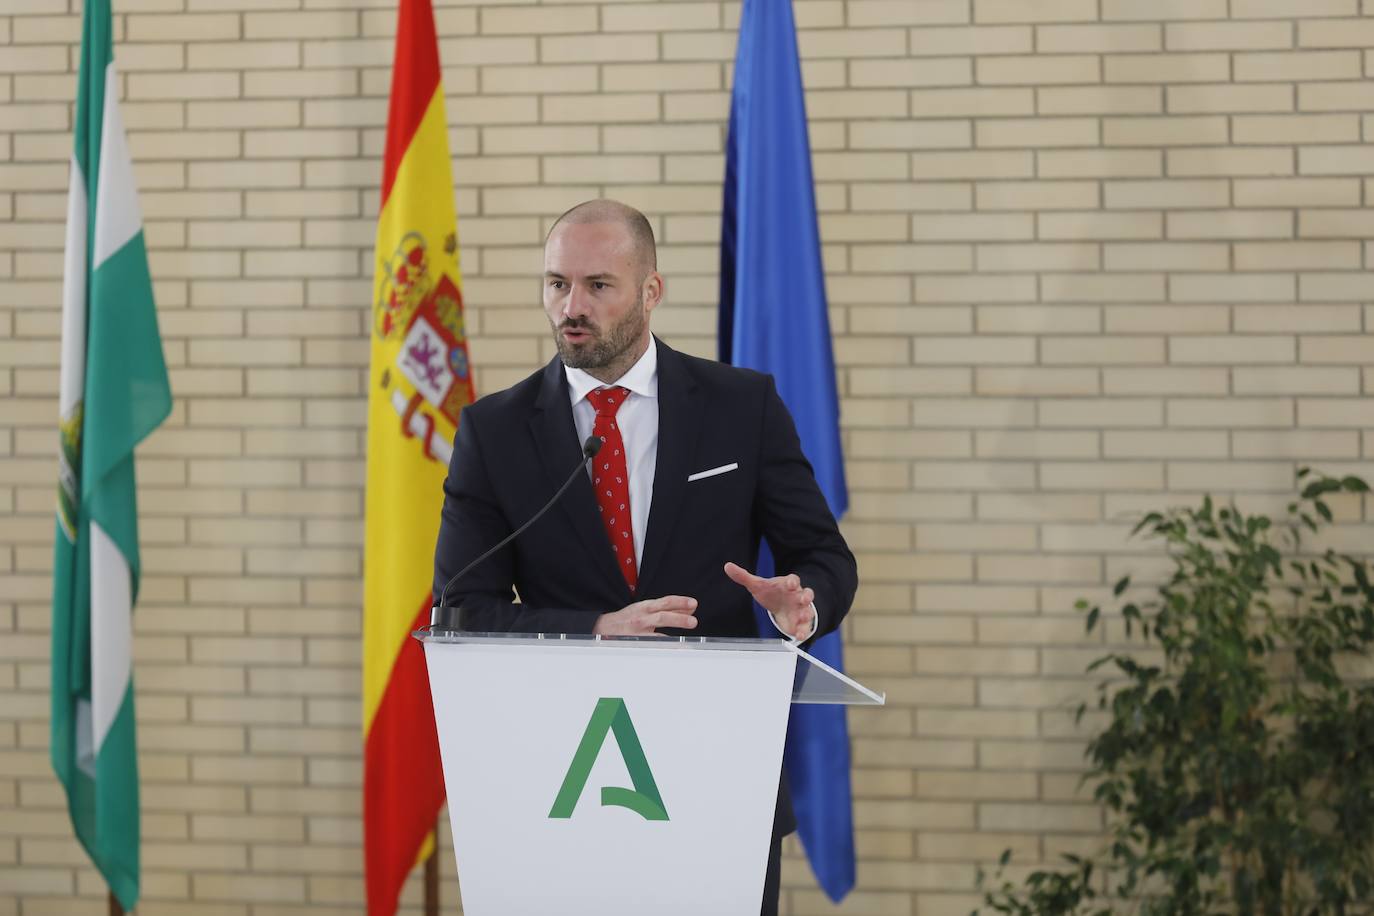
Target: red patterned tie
(611,481)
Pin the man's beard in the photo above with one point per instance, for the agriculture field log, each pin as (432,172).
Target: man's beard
(603,349)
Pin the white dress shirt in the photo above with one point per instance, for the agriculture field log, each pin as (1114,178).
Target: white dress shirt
(638,423)
(637,420)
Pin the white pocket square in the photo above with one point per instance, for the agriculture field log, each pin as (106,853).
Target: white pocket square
(723,469)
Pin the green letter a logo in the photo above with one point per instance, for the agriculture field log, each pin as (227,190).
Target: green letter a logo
(611,715)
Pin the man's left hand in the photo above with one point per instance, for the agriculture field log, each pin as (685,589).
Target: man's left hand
(791,605)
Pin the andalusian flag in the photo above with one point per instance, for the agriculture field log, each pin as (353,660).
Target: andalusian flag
(114,393)
(418,384)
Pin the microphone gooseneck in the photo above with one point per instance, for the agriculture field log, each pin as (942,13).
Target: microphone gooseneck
(437,618)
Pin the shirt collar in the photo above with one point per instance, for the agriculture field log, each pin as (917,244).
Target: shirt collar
(641,378)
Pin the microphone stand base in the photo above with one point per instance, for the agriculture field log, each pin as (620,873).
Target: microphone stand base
(445,618)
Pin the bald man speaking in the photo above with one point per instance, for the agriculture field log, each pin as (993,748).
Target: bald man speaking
(699,461)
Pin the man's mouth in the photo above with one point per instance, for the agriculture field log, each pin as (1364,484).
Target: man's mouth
(576,334)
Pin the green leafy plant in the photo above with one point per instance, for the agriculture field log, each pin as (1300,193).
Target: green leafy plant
(1237,763)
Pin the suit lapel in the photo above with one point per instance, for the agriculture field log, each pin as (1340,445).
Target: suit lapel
(556,437)
(679,423)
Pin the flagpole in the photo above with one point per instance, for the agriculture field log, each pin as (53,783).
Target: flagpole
(432,876)
(115,908)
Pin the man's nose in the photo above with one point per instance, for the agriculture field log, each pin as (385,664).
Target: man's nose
(576,304)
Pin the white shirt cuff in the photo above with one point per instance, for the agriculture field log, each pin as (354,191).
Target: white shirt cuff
(815,625)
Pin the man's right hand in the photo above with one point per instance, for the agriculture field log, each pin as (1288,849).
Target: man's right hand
(644,618)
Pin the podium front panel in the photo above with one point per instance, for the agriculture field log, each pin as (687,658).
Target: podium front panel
(610,778)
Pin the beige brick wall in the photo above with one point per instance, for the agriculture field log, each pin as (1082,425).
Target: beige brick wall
(1084,256)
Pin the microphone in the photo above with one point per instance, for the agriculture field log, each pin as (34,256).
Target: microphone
(442,616)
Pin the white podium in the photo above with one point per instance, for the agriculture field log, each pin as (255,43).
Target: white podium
(616,777)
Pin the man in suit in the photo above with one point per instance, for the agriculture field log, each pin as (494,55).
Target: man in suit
(699,461)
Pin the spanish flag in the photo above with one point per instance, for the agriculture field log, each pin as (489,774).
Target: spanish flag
(419,382)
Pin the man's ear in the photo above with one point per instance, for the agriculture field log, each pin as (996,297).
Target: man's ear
(652,290)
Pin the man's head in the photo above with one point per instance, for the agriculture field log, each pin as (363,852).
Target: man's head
(600,284)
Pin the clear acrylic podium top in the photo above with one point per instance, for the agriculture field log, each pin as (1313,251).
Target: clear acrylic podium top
(815,681)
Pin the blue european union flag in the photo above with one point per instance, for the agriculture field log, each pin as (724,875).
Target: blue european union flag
(773,318)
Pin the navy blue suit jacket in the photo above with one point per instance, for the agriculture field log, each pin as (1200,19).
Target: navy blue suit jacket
(516,447)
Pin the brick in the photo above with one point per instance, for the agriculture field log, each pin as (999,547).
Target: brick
(1164,131)
(813,44)
(1296,255)
(844,104)
(1166,68)
(910,72)
(1258,287)
(1226,98)
(1348,96)
(1060,817)
(1164,381)
(1038,70)
(974,723)
(907,814)
(1042,11)
(186,86)
(972,227)
(944,103)
(1307,318)
(1336,349)
(1335,287)
(1341,33)
(903,258)
(1038,694)
(1231,412)
(1114,100)
(1116,39)
(531,21)
(975,40)
(1227,36)
(907,134)
(182,27)
(1101,350)
(1231,475)
(1096,225)
(1167,194)
(1036,381)
(1041,256)
(243,55)
(659,77)
(1298,66)
(906,12)
(910,197)
(545,78)
(1034,195)
(1230,224)
(720,46)
(1038,444)
(1333,412)
(481,50)
(1163,9)
(1156,318)
(1293,9)
(974,288)
(981,164)
(654,139)
(1334,223)
(1296,192)
(33,59)
(905,444)
(1233,349)
(319,24)
(1101,163)
(1301,445)
(1106,413)
(1037,132)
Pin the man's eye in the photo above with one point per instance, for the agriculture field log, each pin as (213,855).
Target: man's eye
(597,284)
